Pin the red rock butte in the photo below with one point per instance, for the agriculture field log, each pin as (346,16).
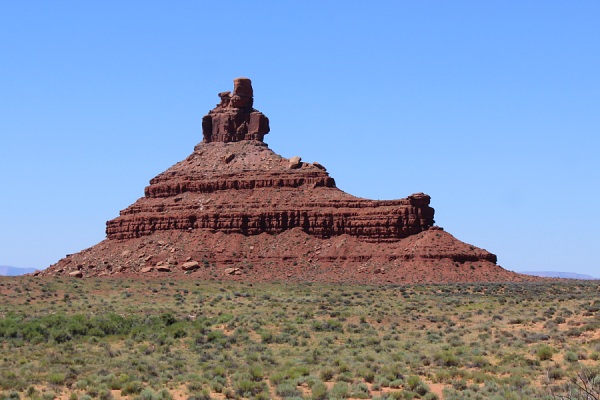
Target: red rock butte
(234,209)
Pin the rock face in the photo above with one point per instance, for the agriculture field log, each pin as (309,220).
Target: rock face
(234,209)
(257,192)
(234,119)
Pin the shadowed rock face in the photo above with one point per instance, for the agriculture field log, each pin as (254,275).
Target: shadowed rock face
(235,199)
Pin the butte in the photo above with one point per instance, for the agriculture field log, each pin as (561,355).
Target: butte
(234,209)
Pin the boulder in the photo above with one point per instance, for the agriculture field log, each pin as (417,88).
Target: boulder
(295,162)
(318,165)
(190,265)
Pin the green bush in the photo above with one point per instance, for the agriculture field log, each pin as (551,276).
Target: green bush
(544,353)
(203,395)
(256,373)
(133,387)
(326,374)
(56,378)
(571,357)
(339,391)
(287,390)
(319,391)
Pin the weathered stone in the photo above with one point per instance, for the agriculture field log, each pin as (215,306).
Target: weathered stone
(295,162)
(318,165)
(145,270)
(76,274)
(163,268)
(190,265)
(232,271)
(234,119)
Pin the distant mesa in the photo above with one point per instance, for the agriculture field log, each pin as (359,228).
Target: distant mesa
(234,209)
(5,270)
(558,274)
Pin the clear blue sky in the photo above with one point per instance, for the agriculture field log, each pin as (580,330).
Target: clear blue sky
(491,107)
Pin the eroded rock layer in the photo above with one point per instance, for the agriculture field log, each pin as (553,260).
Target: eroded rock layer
(431,256)
(244,187)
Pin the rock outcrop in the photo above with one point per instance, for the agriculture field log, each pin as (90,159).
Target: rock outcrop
(258,191)
(234,209)
(234,119)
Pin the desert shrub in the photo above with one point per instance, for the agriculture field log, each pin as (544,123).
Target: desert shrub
(571,357)
(360,391)
(339,391)
(368,375)
(300,370)
(56,378)
(573,332)
(326,374)
(164,394)
(248,388)
(278,377)
(331,325)
(217,385)
(584,386)
(446,359)
(414,384)
(555,373)
(266,337)
(147,394)
(544,353)
(459,385)
(203,395)
(384,382)
(256,373)
(194,386)
(132,387)
(345,377)
(536,337)
(287,390)
(319,391)
(396,383)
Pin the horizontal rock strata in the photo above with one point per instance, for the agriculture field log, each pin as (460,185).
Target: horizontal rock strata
(257,192)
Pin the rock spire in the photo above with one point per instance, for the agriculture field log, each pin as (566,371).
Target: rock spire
(234,119)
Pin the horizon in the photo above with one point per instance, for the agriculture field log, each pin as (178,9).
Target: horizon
(4,269)
(490,108)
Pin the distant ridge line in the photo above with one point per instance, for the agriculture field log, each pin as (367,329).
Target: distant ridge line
(6,270)
(558,274)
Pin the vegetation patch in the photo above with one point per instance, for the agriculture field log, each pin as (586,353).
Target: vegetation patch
(165,339)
